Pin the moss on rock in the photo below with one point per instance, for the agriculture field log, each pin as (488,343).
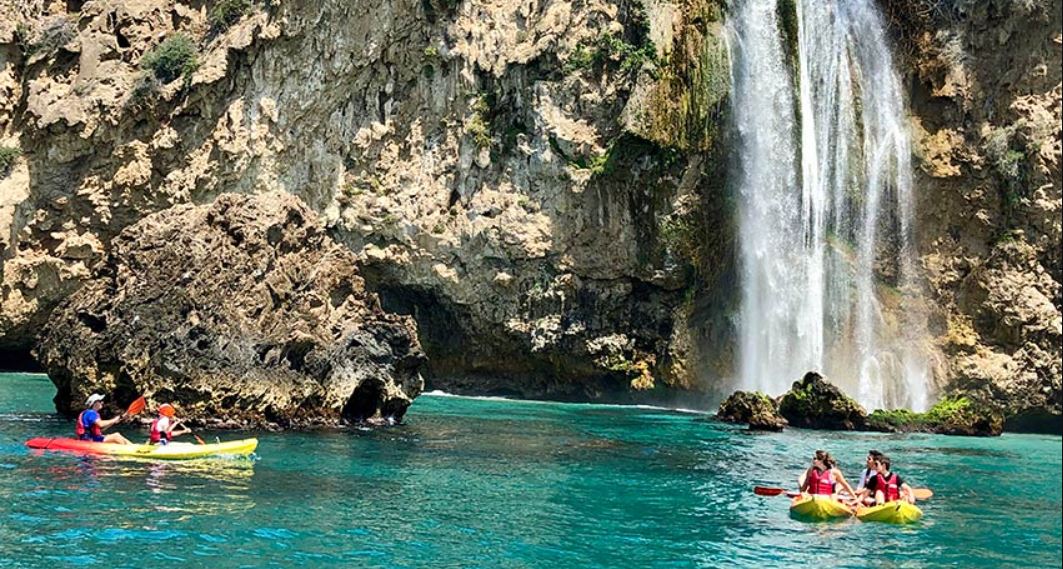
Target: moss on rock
(684,106)
(815,403)
(950,416)
(752,407)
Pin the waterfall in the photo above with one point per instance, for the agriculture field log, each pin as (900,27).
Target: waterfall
(823,173)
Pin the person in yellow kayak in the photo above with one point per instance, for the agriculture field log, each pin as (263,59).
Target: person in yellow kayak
(823,477)
(869,472)
(90,425)
(887,486)
(163,427)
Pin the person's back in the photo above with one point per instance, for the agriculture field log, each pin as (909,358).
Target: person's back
(821,481)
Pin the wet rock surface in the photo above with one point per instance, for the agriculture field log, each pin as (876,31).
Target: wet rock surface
(243,312)
(815,403)
(753,408)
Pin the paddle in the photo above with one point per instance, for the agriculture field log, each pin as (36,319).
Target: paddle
(195,436)
(922,493)
(136,406)
(768,491)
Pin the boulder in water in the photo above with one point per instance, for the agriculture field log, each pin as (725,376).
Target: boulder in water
(242,312)
(751,407)
(950,416)
(815,403)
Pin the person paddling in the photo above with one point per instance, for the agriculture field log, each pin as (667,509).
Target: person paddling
(90,425)
(162,428)
(887,486)
(823,476)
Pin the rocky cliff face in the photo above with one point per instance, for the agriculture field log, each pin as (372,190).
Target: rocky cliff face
(537,183)
(987,103)
(243,312)
(525,179)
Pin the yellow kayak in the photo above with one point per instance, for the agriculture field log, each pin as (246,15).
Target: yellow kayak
(172,451)
(816,508)
(896,512)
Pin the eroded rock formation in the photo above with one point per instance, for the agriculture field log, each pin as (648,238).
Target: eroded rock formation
(526,179)
(538,183)
(753,408)
(988,109)
(242,312)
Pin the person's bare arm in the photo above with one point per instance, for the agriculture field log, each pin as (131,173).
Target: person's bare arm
(108,423)
(844,482)
(907,494)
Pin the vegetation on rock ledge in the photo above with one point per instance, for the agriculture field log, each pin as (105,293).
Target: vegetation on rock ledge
(8,155)
(174,57)
(950,416)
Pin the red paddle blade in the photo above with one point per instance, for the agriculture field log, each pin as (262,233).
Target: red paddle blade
(765,491)
(199,440)
(136,406)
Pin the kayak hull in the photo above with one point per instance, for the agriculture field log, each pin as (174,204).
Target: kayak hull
(897,512)
(818,508)
(172,451)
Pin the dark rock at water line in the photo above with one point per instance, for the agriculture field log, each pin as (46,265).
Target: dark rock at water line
(751,407)
(949,416)
(243,312)
(815,403)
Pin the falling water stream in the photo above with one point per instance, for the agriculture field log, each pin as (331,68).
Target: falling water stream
(824,177)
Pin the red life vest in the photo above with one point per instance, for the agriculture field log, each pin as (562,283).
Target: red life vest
(79,428)
(821,482)
(157,435)
(889,488)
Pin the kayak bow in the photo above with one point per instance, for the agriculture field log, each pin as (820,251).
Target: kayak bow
(896,512)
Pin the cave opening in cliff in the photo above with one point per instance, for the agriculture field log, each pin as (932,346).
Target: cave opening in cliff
(13,359)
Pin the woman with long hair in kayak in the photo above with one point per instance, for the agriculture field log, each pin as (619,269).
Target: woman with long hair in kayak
(90,425)
(823,477)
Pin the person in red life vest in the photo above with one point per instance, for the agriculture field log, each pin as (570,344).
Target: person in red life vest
(163,427)
(823,477)
(867,498)
(90,425)
(888,486)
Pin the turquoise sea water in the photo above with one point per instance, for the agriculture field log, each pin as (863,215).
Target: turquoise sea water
(487,483)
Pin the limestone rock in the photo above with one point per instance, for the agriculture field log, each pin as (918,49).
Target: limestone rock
(815,403)
(754,408)
(242,312)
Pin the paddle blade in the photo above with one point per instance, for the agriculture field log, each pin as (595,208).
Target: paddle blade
(766,491)
(136,406)
(922,493)
(199,440)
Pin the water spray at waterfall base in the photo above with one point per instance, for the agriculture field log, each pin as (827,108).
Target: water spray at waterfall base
(823,177)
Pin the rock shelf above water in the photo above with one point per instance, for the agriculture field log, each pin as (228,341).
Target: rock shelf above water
(243,312)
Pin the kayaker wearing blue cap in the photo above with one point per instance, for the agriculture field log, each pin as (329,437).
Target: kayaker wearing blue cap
(90,426)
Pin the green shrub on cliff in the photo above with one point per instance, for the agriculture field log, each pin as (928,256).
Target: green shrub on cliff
(175,57)
(8,155)
(226,13)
